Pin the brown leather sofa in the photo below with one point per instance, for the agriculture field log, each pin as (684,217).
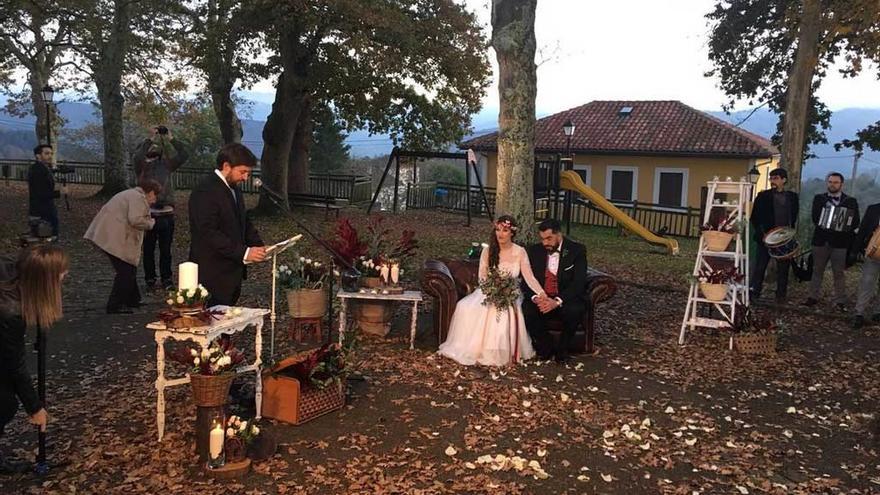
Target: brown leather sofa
(447,281)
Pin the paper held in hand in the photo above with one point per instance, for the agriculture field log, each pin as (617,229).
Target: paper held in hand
(279,247)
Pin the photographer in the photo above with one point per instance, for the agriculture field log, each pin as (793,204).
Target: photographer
(156,159)
(41,188)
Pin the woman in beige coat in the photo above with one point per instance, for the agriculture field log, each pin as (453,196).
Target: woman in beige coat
(118,230)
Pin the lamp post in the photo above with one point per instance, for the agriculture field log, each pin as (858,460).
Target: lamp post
(754,174)
(48,94)
(568,130)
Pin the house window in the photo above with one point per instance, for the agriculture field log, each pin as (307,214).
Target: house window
(670,186)
(585,172)
(622,183)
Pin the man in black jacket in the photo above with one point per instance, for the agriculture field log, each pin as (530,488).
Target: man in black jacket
(157,158)
(41,187)
(835,217)
(774,207)
(560,266)
(222,236)
(870,268)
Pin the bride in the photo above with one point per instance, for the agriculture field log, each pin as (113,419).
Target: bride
(479,334)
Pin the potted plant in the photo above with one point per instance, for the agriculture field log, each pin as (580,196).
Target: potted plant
(239,435)
(719,231)
(303,279)
(753,334)
(368,253)
(715,282)
(211,371)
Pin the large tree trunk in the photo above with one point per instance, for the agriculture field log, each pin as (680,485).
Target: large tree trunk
(800,86)
(280,127)
(224,109)
(513,38)
(107,70)
(298,172)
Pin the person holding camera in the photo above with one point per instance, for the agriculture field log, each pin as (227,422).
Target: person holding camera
(41,188)
(156,159)
(30,295)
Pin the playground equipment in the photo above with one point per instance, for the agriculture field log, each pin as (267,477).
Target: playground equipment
(571,181)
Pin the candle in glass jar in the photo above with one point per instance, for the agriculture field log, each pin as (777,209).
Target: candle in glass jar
(187,275)
(217,437)
(395,273)
(383,272)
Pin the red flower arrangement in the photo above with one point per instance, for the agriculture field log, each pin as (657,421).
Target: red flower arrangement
(727,275)
(374,246)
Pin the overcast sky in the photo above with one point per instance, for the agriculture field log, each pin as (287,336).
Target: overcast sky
(639,49)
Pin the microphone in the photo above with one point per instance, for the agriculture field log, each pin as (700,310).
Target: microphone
(263,188)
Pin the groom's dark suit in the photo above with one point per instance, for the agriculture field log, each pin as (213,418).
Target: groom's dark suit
(571,283)
(220,233)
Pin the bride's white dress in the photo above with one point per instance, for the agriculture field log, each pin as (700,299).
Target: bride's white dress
(478,334)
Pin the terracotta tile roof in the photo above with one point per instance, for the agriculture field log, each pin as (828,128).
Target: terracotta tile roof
(651,128)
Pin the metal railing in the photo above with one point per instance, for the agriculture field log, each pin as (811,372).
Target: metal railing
(448,196)
(354,188)
(669,220)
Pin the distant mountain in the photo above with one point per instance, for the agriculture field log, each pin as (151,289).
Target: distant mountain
(844,124)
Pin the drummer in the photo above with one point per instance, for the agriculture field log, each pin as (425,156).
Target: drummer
(772,208)
(835,216)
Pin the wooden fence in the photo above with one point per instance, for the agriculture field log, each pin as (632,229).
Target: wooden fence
(355,189)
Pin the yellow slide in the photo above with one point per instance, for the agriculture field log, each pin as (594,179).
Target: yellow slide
(571,181)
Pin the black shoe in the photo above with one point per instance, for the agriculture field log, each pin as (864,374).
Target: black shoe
(545,356)
(134,305)
(841,307)
(858,322)
(562,357)
(876,318)
(150,285)
(811,302)
(119,311)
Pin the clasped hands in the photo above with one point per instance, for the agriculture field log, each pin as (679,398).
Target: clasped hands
(545,303)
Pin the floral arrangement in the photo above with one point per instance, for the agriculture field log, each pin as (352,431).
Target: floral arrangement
(302,273)
(369,252)
(500,290)
(246,431)
(747,321)
(218,358)
(188,297)
(728,275)
(322,367)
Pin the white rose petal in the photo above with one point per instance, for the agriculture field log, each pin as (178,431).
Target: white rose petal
(791,410)
(607,478)
(690,441)
(450,451)
(669,410)
(470,465)
(564,397)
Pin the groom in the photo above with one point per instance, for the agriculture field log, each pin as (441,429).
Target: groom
(560,265)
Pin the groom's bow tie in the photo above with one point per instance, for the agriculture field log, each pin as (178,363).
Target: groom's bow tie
(551,253)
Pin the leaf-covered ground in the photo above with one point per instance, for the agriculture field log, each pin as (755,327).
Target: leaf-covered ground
(643,416)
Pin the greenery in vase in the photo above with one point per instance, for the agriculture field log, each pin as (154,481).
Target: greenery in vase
(302,273)
(188,297)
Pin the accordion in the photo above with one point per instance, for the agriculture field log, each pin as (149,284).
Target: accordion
(837,218)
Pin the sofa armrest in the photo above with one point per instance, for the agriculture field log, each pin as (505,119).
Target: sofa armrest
(600,288)
(438,283)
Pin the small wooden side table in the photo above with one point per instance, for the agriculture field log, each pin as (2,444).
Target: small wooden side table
(303,329)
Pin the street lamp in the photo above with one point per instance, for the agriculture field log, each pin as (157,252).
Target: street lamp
(568,129)
(754,175)
(48,94)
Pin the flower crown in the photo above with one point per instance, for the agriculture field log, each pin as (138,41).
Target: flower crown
(507,224)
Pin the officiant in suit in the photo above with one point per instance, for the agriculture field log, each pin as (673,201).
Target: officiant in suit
(222,236)
(560,265)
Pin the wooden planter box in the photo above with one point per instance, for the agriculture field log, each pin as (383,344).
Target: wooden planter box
(754,343)
(285,399)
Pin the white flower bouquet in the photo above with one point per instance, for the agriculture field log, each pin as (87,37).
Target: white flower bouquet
(188,298)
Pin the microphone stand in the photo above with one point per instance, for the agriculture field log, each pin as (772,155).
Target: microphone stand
(334,256)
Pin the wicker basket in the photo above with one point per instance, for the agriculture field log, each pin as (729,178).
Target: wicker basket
(211,390)
(716,240)
(713,292)
(285,399)
(307,303)
(750,343)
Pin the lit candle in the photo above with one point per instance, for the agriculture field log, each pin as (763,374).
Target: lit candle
(395,273)
(187,275)
(383,272)
(217,436)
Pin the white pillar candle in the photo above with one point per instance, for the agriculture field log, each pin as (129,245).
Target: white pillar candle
(383,272)
(187,275)
(217,437)
(395,273)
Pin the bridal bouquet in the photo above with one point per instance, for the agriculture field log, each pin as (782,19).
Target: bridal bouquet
(500,290)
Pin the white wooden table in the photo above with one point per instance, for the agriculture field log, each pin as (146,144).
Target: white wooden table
(204,336)
(413,296)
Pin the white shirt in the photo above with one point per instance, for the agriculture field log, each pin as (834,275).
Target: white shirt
(219,174)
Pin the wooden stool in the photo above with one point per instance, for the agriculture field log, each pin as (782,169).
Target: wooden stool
(301,327)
